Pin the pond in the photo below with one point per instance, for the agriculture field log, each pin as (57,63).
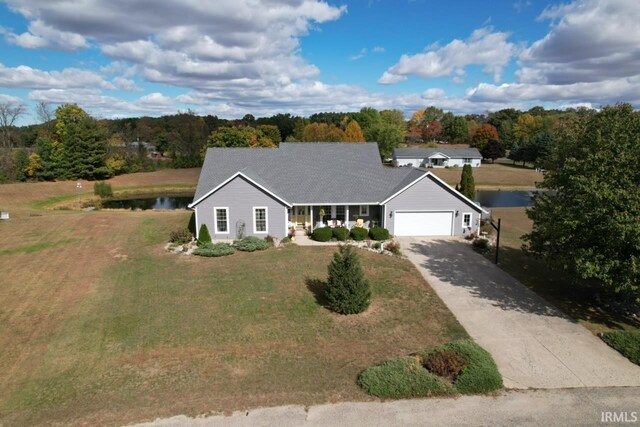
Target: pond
(145,203)
(504,199)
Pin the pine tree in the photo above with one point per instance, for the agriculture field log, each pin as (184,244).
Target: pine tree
(348,292)
(467,183)
(203,235)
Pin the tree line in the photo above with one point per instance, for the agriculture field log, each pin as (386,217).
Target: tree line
(118,145)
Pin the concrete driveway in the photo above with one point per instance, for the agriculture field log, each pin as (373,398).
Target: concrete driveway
(534,345)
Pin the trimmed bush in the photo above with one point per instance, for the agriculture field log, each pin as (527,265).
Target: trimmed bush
(626,342)
(341,233)
(322,234)
(181,236)
(377,246)
(481,243)
(359,233)
(402,378)
(251,244)
(102,189)
(348,292)
(203,235)
(379,233)
(480,373)
(458,367)
(393,247)
(214,250)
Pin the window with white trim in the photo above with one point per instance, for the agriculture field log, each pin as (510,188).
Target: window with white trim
(467,161)
(221,220)
(364,210)
(340,212)
(466,220)
(259,219)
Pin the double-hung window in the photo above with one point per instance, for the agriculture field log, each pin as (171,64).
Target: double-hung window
(467,161)
(364,210)
(466,220)
(221,220)
(260,220)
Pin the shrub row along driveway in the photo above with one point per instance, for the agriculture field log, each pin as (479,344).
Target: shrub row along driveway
(533,344)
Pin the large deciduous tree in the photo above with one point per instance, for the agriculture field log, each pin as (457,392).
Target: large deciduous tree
(586,222)
(9,113)
(455,129)
(482,134)
(353,132)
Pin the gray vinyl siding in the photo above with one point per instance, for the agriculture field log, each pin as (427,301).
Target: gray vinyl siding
(429,195)
(241,196)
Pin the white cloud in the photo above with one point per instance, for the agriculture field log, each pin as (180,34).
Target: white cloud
(378,49)
(122,83)
(41,35)
(589,41)
(360,55)
(484,47)
(26,77)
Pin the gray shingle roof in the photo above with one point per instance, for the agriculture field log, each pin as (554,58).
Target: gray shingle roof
(319,173)
(421,153)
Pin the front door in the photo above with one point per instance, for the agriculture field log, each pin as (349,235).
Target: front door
(301,214)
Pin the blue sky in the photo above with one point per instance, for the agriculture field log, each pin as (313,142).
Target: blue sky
(118,58)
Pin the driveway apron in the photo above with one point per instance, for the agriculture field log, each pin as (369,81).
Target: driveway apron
(533,343)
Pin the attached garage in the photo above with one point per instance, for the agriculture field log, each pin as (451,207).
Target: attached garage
(423,223)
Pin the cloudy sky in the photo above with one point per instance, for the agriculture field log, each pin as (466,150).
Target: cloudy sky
(119,58)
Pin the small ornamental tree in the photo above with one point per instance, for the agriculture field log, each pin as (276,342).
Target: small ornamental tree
(493,150)
(203,235)
(348,292)
(467,183)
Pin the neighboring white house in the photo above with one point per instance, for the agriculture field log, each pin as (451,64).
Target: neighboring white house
(437,157)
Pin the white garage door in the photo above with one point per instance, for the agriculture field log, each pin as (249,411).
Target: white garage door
(423,223)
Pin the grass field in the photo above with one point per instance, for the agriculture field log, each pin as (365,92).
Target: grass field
(553,286)
(501,174)
(99,325)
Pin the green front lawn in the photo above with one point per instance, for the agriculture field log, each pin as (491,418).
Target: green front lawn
(113,329)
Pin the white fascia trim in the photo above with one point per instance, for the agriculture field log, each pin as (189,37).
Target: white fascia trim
(462,196)
(334,204)
(442,154)
(230,179)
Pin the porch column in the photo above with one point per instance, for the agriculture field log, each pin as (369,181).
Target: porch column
(311,207)
(346,216)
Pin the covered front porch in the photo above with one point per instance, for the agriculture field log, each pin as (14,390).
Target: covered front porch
(308,217)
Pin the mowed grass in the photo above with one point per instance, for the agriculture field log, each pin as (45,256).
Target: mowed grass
(108,328)
(501,174)
(555,287)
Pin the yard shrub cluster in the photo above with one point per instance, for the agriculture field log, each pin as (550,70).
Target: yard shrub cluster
(481,243)
(203,235)
(359,234)
(458,367)
(322,234)
(251,244)
(393,247)
(180,236)
(348,291)
(626,342)
(379,233)
(102,189)
(402,378)
(341,233)
(214,250)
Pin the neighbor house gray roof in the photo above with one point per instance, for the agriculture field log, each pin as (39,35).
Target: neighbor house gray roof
(309,172)
(423,153)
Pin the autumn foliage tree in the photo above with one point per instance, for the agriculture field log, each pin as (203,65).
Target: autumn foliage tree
(353,132)
(481,135)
